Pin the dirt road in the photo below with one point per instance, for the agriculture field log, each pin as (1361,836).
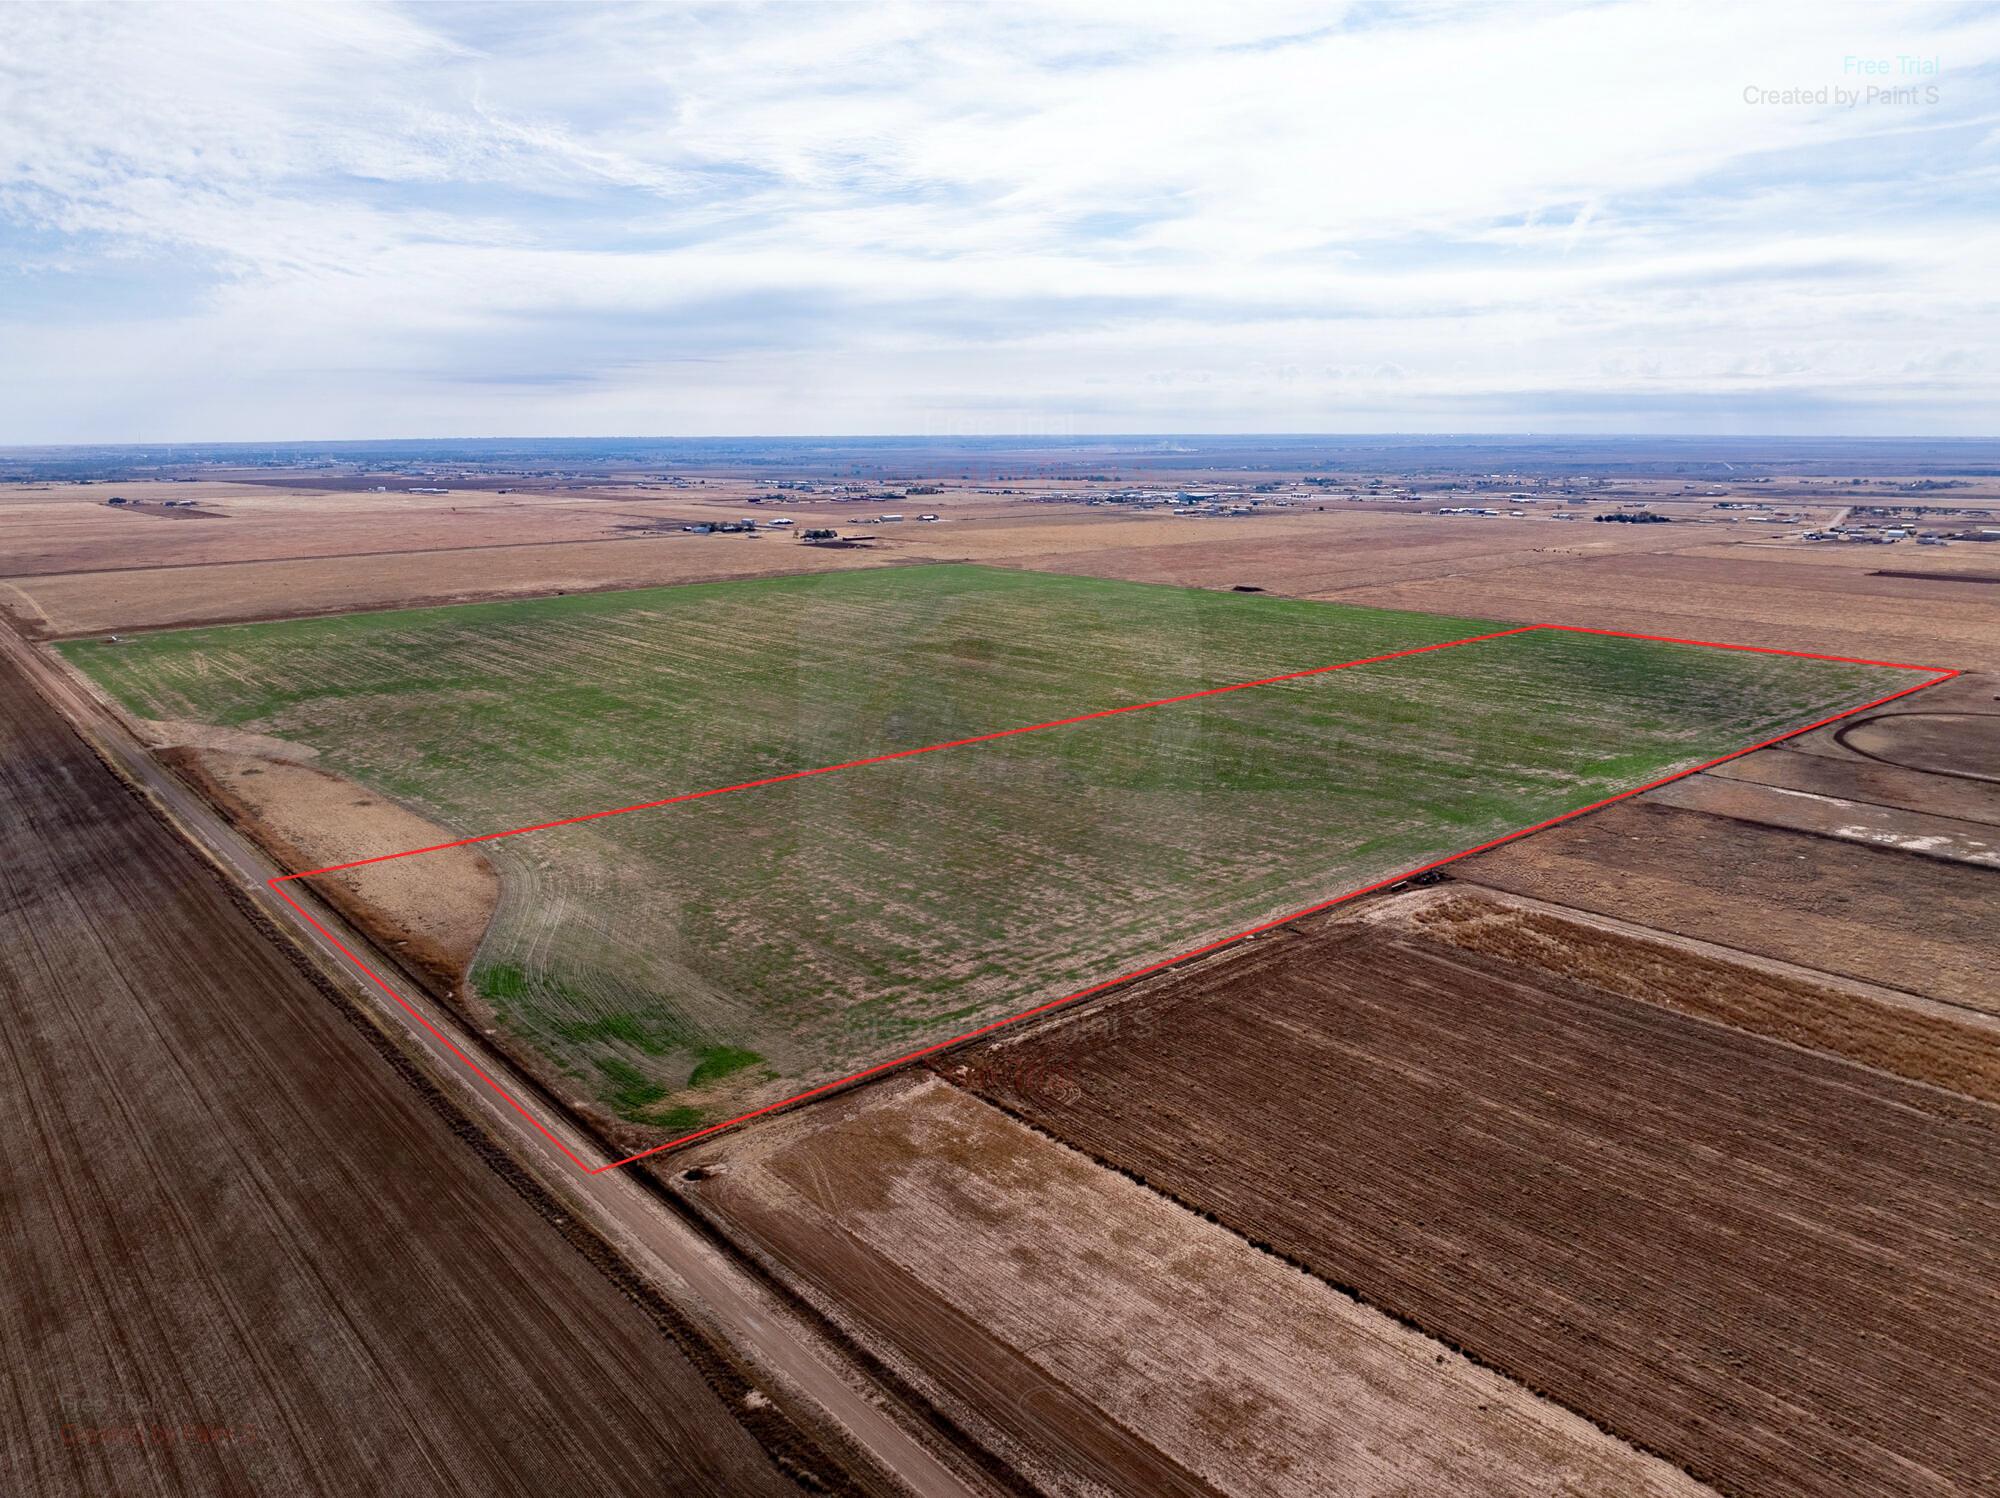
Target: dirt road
(669,1254)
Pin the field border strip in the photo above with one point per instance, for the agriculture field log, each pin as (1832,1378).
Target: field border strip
(1938,674)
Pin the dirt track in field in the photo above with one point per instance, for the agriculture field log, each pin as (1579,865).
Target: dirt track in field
(1975,844)
(1778,1269)
(241,1255)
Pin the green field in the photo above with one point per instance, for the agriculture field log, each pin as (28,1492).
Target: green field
(684,963)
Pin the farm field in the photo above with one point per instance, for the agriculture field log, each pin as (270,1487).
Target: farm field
(1872,913)
(150,598)
(1775,1268)
(70,563)
(677,966)
(1875,914)
(242,1254)
(1750,595)
(1907,1035)
(1041,1299)
(270,549)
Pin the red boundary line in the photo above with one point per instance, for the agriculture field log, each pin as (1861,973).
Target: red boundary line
(1940,674)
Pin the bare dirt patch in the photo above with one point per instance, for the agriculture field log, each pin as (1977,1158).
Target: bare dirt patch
(1088,1287)
(428,913)
(1778,1269)
(173,733)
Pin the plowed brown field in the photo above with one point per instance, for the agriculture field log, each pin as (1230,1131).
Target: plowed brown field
(1778,1269)
(240,1255)
(1044,1300)
(1875,914)
(1925,1042)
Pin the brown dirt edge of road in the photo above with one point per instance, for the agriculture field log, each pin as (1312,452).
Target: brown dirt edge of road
(799,1454)
(654,1177)
(439,972)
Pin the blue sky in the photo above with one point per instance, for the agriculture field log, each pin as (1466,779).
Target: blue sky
(275,222)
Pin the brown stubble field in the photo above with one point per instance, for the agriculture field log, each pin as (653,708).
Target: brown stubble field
(245,1255)
(1719,582)
(1747,595)
(1772,1267)
(427,916)
(70,564)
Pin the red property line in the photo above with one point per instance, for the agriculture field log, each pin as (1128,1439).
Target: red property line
(1938,674)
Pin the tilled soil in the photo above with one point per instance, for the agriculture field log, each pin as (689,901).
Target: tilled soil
(1777,1269)
(240,1255)
(1107,1338)
(1877,914)
(1924,1042)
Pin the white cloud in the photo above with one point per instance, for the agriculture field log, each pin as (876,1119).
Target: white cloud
(358,221)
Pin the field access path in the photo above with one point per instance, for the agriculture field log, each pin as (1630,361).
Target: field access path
(670,1255)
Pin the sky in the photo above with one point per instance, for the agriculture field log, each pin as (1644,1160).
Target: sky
(269,222)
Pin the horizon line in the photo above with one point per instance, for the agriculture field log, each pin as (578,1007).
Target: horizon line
(1455,434)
